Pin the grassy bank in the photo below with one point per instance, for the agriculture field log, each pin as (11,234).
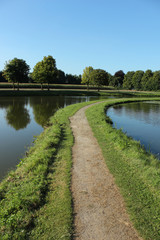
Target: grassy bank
(136,172)
(35,199)
(75,91)
(7,93)
(51,86)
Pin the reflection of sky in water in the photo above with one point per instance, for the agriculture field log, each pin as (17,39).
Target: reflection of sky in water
(140,121)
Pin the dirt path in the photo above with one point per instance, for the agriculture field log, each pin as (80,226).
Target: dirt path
(98,206)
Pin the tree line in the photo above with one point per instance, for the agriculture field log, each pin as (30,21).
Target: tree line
(44,72)
(132,80)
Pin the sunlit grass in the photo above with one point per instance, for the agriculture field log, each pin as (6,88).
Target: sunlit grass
(35,199)
(136,172)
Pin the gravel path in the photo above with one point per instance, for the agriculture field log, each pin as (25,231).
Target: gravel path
(99,211)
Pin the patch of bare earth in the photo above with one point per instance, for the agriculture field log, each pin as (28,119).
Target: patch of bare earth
(99,208)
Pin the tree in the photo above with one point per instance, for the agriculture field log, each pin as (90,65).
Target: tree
(99,78)
(136,80)
(154,82)
(110,79)
(60,76)
(73,79)
(86,76)
(145,81)
(45,71)
(2,79)
(16,71)
(127,82)
(118,78)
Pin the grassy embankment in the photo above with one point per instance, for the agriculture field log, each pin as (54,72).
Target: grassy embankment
(70,90)
(11,93)
(136,172)
(35,199)
(51,86)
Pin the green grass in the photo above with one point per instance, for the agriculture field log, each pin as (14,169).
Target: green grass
(35,199)
(58,92)
(136,172)
(52,86)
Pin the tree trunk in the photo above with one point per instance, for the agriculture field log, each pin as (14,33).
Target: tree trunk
(41,87)
(48,86)
(87,87)
(18,86)
(13,86)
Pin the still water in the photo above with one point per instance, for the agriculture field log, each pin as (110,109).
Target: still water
(141,121)
(23,118)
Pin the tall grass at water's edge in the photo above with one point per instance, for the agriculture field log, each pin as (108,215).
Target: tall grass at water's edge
(136,172)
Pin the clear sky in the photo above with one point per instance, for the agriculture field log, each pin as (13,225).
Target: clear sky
(108,34)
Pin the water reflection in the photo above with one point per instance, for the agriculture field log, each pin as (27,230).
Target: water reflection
(17,116)
(142,111)
(139,120)
(22,118)
(43,109)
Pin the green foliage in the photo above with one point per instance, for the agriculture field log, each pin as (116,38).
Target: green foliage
(118,78)
(45,71)
(127,82)
(146,80)
(136,79)
(154,82)
(73,79)
(60,76)
(110,79)
(99,78)
(16,71)
(86,76)
(2,79)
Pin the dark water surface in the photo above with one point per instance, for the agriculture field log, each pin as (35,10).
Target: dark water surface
(141,121)
(22,118)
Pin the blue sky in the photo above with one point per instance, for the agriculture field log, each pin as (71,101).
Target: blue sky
(108,34)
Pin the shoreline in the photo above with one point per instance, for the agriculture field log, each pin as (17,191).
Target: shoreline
(45,177)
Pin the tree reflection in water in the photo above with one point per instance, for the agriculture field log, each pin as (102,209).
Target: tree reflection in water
(44,108)
(17,114)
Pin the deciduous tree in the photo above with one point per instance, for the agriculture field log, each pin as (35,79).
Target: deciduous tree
(127,82)
(118,78)
(145,81)
(16,71)
(99,78)
(86,76)
(45,71)
(154,82)
(136,80)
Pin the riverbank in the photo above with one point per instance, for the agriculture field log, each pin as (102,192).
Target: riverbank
(56,92)
(36,201)
(136,172)
(75,92)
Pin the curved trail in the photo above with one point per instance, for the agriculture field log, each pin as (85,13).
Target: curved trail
(99,209)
